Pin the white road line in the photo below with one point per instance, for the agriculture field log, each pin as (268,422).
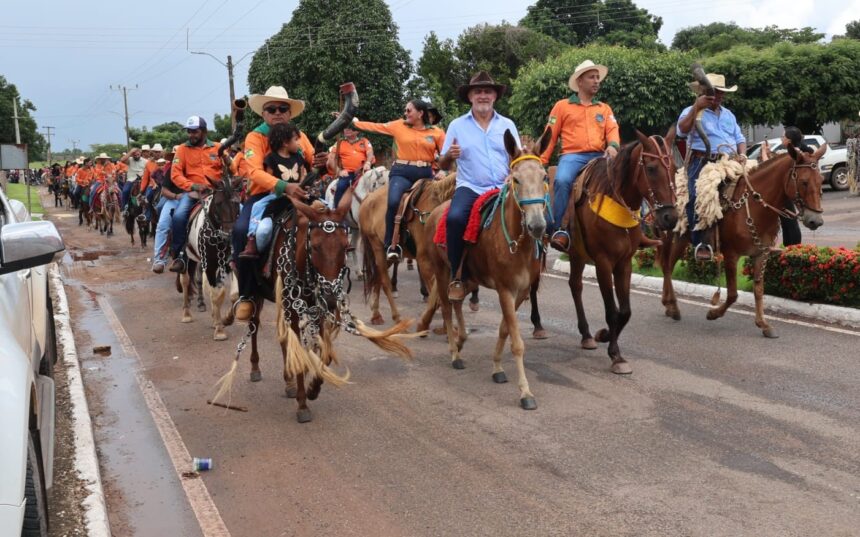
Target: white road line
(738,311)
(208,517)
(86,459)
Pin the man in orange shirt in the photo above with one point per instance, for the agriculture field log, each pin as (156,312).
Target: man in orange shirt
(147,183)
(352,156)
(588,130)
(83,178)
(196,163)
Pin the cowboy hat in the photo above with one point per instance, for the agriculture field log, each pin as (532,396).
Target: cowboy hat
(79,160)
(160,161)
(481,80)
(157,147)
(583,68)
(717,81)
(275,94)
(103,155)
(145,147)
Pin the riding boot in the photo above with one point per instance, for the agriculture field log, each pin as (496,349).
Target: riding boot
(250,251)
(178,264)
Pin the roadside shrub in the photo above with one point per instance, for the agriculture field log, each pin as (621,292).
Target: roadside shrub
(812,274)
(701,271)
(645,258)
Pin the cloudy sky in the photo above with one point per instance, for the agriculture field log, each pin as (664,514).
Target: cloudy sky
(65,56)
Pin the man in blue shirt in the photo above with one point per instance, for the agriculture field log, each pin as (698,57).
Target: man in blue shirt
(476,141)
(724,135)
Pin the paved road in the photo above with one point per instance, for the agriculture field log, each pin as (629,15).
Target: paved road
(717,432)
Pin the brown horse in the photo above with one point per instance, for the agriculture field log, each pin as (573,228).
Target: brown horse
(372,224)
(135,209)
(498,261)
(750,226)
(642,170)
(105,206)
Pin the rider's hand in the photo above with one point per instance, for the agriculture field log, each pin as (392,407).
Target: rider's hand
(196,188)
(320,159)
(440,175)
(703,101)
(454,150)
(293,190)
(343,173)
(610,152)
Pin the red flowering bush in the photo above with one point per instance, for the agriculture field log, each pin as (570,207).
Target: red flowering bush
(809,273)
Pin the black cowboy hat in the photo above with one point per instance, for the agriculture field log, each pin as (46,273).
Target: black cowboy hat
(481,80)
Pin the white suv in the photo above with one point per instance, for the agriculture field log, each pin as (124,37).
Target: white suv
(833,164)
(28,351)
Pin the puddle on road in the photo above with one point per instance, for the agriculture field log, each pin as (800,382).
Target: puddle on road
(143,492)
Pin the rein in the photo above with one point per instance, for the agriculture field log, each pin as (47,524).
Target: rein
(510,187)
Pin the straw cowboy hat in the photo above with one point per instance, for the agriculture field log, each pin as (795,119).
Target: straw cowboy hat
(145,147)
(103,155)
(481,80)
(275,94)
(717,81)
(583,68)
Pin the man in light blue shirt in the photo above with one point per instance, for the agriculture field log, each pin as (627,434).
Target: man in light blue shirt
(476,141)
(724,135)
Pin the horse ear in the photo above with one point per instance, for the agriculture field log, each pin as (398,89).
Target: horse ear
(543,141)
(511,145)
(670,138)
(642,138)
(819,152)
(792,151)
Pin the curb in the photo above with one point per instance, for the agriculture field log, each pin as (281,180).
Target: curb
(86,459)
(849,317)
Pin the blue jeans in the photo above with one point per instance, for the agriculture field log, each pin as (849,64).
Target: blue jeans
(569,165)
(179,228)
(342,184)
(257,211)
(401,179)
(126,192)
(458,217)
(167,206)
(693,171)
(246,277)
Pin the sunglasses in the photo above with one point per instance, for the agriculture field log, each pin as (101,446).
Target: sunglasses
(282,109)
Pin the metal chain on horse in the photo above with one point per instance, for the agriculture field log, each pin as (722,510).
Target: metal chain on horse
(214,238)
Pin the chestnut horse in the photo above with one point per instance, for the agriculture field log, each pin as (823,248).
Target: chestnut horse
(750,226)
(642,170)
(105,206)
(498,261)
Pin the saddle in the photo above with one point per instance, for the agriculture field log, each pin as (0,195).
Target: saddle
(406,211)
(480,217)
(279,210)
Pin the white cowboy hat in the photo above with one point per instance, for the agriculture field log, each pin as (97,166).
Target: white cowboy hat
(145,147)
(79,160)
(160,161)
(584,67)
(276,94)
(103,155)
(157,147)
(717,81)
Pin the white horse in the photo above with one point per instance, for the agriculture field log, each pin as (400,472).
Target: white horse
(371,180)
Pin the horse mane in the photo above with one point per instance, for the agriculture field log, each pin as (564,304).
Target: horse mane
(608,183)
(443,189)
(769,163)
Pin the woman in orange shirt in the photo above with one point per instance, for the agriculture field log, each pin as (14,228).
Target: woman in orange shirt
(416,142)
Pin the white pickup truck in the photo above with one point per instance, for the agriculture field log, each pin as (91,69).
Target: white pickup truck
(833,165)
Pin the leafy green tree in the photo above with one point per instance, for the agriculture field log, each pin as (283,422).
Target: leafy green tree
(327,43)
(580,22)
(222,127)
(167,134)
(852,29)
(709,39)
(645,90)
(112,150)
(36,144)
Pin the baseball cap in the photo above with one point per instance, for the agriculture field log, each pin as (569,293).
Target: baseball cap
(195,122)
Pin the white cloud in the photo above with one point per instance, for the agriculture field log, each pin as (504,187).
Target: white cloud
(850,12)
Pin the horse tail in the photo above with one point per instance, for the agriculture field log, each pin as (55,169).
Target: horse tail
(368,266)
(390,340)
(129,224)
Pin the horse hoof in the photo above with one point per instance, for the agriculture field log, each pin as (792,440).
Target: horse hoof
(377,320)
(220,336)
(589,343)
(291,392)
(440,331)
(528,403)
(474,306)
(499,377)
(712,315)
(304,415)
(201,307)
(770,333)
(621,368)
(419,328)
(540,334)
(187,319)
(395,294)
(257,376)
(602,335)
(458,363)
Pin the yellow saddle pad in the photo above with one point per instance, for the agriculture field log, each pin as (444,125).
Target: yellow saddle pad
(613,212)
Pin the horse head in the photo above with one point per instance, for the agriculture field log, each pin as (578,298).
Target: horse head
(529,182)
(321,242)
(223,210)
(804,186)
(656,183)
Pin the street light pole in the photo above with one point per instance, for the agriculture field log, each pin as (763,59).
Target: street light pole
(229,65)
(125,91)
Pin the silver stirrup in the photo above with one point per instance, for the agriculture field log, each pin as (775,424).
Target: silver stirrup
(703,246)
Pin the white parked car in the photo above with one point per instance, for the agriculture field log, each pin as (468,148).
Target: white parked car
(833,165)
(28,351)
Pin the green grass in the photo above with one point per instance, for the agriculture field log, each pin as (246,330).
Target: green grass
(17,191)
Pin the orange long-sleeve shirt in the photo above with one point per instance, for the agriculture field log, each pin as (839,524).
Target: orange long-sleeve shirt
(409,143)
(256,149)
(150,167)
(100,171)
(121,167)
(582,128)
(84,176)
(237,161)
(193,164)
(353,155)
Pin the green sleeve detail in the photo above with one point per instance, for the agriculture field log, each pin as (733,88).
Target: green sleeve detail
(615,145)
(280,187)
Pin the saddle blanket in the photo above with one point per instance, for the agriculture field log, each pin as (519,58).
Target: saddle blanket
(613,212)
(477,219)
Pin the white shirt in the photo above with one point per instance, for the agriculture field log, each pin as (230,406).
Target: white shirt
(135,168)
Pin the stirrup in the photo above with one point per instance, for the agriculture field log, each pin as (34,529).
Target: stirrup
(394,253)
(707,252)
(560,240)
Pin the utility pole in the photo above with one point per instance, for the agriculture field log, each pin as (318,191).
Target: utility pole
(15,117)
(229,65)
(48,134)
(74,146)
(125,91)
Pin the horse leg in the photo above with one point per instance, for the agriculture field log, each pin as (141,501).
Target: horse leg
(217,295)
(608,334)
(474,301)
(730,264)
(376,285)
(538,332)
(758,291)
(394,292)
(446,307)
(389,291)
(256,374)
(622,292)
(461,324)
(509,313)
(499,376)
(575,284)
(198,281)
(670,252)
(185,279)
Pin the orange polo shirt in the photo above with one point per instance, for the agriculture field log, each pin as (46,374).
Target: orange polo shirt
(70,171)
(409,143)
(100,171)
(84,176)
(353,155)
(150,167)
(256,149)
(583,129)
(193,164)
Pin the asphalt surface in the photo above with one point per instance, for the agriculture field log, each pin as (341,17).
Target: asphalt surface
(718,431)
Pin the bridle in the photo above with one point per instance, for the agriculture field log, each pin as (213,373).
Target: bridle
(663,155)
(510,187)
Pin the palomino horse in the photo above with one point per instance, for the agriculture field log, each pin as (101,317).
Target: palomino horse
(614,190)
(750,225)
(498,261)
(372,222)
(208,247)
(105,206)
